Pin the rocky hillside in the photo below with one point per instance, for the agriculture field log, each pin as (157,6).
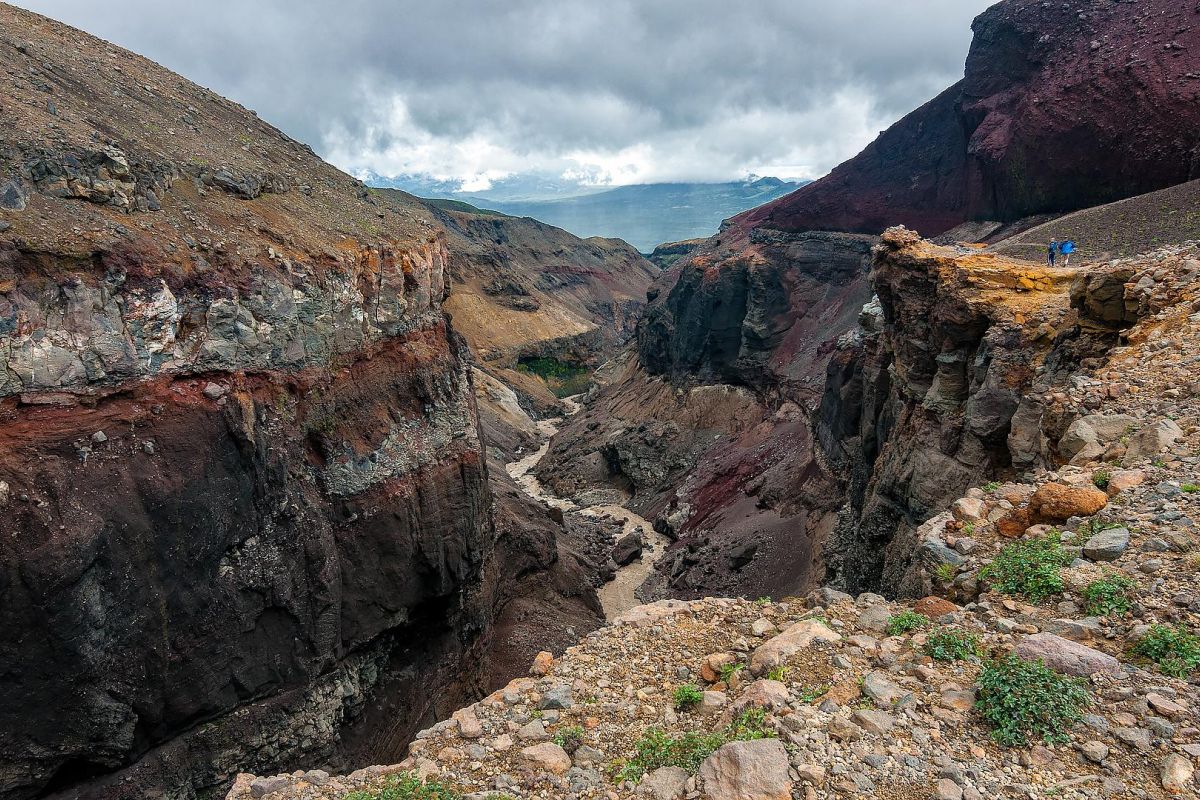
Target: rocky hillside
(744,332)
(1055,647)
(1062,106)
(246,509)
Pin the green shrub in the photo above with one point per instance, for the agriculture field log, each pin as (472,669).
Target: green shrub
(407,786)
(944,573)
(729,670)
(951,644)
(1023,700)
(688,750)
(687,696)
(1108,595)
(779,673)
(906,621)
(991,486)
(569,739)
(1190,488)
(1173,648)
(811,693)
(564,379)
(1030,568)
(1100,479)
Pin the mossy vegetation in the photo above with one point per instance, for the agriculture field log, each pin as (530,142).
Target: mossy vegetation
(564,378)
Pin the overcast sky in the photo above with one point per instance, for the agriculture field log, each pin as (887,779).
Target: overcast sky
(614,91)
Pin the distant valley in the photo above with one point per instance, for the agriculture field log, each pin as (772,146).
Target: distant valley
(644,215)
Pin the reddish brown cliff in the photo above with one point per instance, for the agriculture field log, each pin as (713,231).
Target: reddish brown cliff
(1062,106)
(246,517)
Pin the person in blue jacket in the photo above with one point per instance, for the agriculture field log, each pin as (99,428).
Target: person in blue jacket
(1066,248)
(1052,252)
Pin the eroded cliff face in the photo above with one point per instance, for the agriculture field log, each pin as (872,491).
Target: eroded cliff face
(1062,106)
(245,501)
(920,398)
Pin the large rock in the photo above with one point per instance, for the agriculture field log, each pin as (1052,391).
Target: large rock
(547,757)
(756,770)
(628,549)
(1088,437)
(1057,502)
(1066,656)
(1152,440)
(791,641)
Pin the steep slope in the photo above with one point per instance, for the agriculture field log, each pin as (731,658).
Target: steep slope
(245,502)
(1062,106)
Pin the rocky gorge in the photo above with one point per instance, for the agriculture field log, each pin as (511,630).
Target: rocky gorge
(289,481)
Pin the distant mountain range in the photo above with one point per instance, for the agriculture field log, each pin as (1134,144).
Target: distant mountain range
(644,215)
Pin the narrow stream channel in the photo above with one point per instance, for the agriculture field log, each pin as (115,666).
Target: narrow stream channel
(618,595)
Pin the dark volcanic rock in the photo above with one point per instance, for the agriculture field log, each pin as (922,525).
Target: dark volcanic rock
(1043,121)
(628,549)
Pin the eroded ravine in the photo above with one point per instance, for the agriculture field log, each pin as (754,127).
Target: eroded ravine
(620,594)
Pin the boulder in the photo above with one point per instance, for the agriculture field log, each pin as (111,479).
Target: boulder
(628,549)
(547,757)
(1056,502)
(1064,655)
(1107,545)
(881,688)
(756,770)
(1124,479)
(651,613)
(1176,774)
(1152,440)
(934,607)
(794,639)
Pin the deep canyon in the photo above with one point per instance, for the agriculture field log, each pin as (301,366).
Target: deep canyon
(291,469)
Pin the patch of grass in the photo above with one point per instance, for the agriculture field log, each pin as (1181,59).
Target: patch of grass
(688,750)
(687,696)
(944,573)
(1100,479)
(569,739)
(907,620)
(1189,488)
(991,486)
(1024,700)
(779,673)
(951,644)
(1108,594)
(407,786)
(763,601)
(969,528)
(1174,648)
(810,693)
(1031,568)
(728,671)
(1160,463)
(563,378)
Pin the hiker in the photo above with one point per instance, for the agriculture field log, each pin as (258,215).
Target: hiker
(1066,248)
(1052,252)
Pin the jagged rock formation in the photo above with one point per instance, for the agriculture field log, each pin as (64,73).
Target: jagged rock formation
(247,514)
(1088,568)
(1062,106)
(1041,122)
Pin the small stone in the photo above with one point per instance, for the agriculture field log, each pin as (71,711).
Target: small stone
(948,790)
(878,722)
(711,666)
(1137,738)
(542,663)
(260,787)
(1107,545)
(469,726)
(664,783)
(1094,751)
(934,607)
(761,627)
(533,731)
(99,437)
(214,391)
(558,698)
(877,686)
(712,702)
(1165,706)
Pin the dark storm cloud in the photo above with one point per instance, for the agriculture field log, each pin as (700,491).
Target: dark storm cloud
(615,89)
